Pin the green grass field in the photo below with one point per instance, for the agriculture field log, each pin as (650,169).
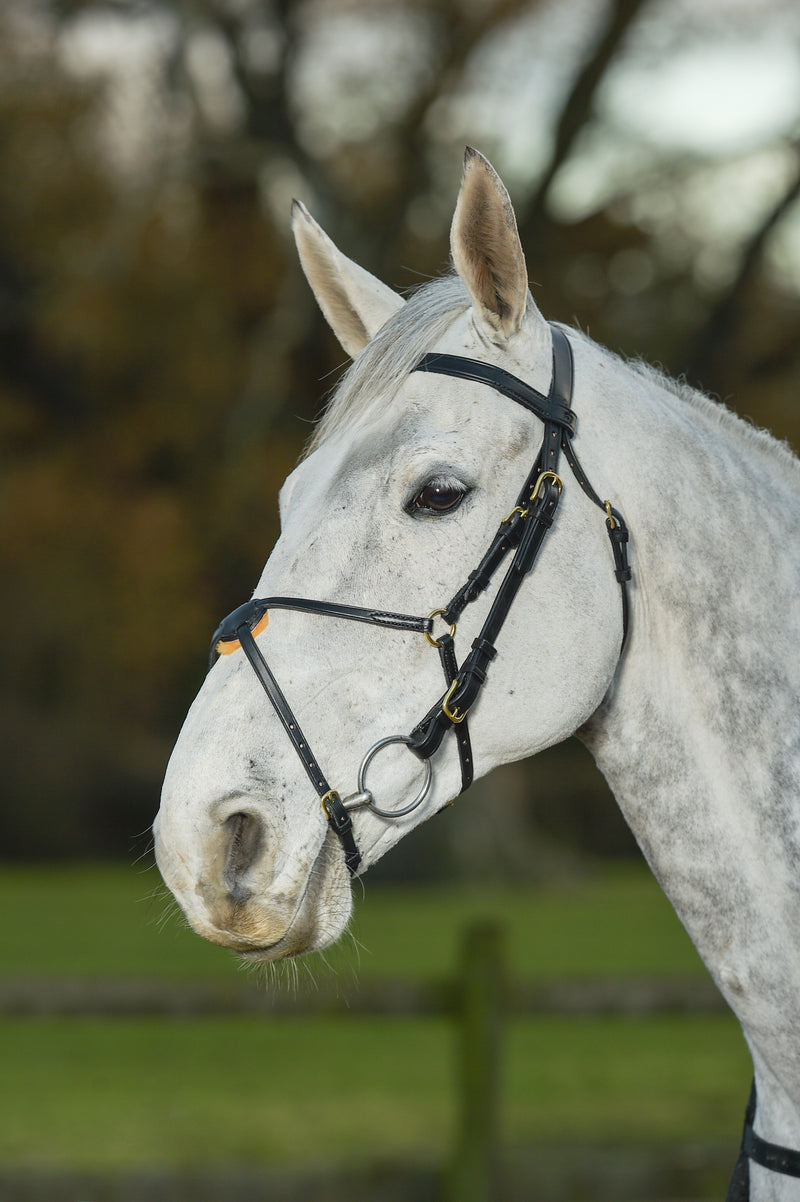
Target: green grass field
(117,1093)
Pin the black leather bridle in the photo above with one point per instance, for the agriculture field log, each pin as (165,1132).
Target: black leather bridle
(520,534)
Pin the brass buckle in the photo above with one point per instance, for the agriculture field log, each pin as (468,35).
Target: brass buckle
(559,483)
(438,642)
(537,488)
(452,714)
(323,801)
(612,525)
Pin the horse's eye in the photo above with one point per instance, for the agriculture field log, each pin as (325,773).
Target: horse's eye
(438,496)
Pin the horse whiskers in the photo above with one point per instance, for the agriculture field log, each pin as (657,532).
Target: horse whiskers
(160,895)
(149,848)
(357,945)
(170,912)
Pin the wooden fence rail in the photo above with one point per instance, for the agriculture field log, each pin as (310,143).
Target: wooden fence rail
(479,1000)
(126,997)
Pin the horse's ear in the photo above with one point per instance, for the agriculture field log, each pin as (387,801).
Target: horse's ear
(355,303)
(486,249)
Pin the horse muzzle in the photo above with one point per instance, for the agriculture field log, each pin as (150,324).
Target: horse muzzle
(233,892)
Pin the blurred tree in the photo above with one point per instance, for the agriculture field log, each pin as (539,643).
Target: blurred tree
(161,356)
(126,321)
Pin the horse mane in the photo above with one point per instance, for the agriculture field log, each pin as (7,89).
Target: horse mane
(374,377)
(389,358)
(716,411)
(719,413)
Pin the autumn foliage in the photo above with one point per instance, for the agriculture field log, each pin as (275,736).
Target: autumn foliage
(161,360)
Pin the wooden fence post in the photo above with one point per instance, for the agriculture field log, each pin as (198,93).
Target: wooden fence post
(473,1175)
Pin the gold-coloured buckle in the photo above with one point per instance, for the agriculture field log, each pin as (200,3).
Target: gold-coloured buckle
(323,801)
(537,488)
(438,642)
(452,714)
(612,525)
(559,483)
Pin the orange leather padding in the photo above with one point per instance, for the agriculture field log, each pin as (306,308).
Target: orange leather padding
(227,648)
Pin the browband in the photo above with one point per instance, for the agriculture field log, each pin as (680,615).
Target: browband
(548,408)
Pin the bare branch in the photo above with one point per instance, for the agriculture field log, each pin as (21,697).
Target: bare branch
(578,105)
(724,321)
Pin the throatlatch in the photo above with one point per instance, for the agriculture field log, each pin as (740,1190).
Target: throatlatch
(521,534)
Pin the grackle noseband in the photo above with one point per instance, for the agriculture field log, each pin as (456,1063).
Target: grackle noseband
(522,532)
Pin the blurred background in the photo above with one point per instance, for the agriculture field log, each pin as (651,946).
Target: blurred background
(161,358)
(161,364)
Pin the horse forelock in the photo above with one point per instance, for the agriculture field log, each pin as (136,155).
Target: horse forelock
(389,358)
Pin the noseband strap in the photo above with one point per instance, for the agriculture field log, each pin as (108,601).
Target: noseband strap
(238,628)
(519,535)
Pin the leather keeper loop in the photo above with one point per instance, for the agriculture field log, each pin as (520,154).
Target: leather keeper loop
(484,648)
(480,579)
(426,737)
(536,526)
(619,536)
(342,825)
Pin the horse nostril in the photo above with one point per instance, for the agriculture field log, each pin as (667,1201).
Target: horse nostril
(246,834)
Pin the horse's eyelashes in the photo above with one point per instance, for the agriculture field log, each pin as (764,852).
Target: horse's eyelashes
(439,495)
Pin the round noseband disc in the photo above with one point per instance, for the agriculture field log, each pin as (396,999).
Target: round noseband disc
(228,646)
(362,772)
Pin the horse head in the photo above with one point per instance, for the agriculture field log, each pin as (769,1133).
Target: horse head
(411,476)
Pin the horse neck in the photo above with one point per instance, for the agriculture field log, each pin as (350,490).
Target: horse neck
(699,737)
